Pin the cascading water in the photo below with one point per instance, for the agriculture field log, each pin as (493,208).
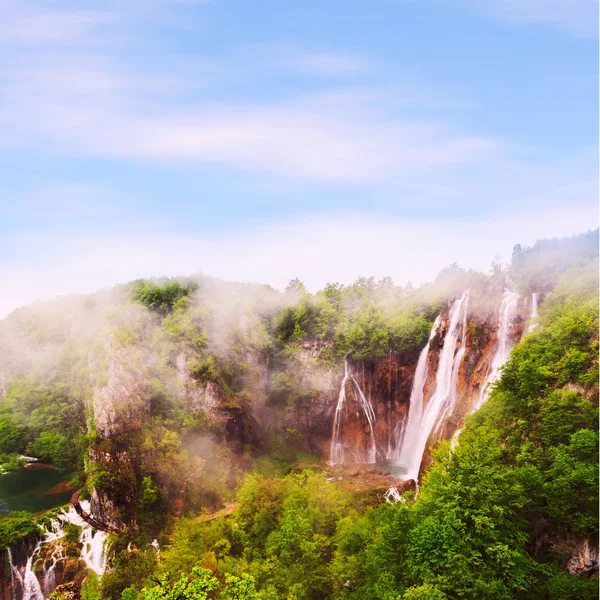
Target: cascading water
(450,402)
(393,496)
(508,310)
(338,447)
(14,574)
(419,430)
(406,436)
(93,553)
(32,590)
(534,313)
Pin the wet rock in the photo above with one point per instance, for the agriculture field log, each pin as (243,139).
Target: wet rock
(121,399)
(584,559)
(67,591)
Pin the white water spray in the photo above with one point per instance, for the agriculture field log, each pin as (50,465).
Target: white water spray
(393,496)
(508,310)
(338,447)
(415,442)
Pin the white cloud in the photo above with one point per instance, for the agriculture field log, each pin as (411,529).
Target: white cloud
(316,249)
(30,25)
(577,16)
(89,106)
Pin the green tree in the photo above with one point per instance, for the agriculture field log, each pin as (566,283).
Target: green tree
(200,587)
(12,435)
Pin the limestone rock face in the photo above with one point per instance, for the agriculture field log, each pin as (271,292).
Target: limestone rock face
(386,385)
(107,504)
(121,404)
(583,559)
(200,397)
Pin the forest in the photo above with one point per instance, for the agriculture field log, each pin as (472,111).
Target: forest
(195,415)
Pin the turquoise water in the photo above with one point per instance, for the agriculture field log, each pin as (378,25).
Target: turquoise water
(31,489)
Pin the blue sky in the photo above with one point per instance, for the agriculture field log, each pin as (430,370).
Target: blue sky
(267,140)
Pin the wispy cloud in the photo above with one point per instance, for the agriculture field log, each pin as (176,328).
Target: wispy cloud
(93,106)
(577,16)
(28,25)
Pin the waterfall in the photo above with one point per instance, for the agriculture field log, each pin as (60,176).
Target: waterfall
(444,395)
(450,402)
(393,496)
(338,447)
(534,313)
(406,436)
(93,553)
(31,586)
(508,310)
(14,574)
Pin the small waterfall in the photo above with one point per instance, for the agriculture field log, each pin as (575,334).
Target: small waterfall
(31,586)
(396,437)
(534,313)
(444,395)
(393,496)
(93,553)
(508,310)
(15,575)
(338,447)
(407,440)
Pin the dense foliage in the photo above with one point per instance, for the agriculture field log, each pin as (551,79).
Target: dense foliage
(15,527)
(161,298)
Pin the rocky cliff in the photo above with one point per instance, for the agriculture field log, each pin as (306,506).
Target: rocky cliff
(387,382)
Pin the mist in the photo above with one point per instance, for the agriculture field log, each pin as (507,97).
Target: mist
(316,250)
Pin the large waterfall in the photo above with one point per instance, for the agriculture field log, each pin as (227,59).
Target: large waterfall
(38,578)
(443,399)
(338,445)
(405,437)
(508,310)
(353,436)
